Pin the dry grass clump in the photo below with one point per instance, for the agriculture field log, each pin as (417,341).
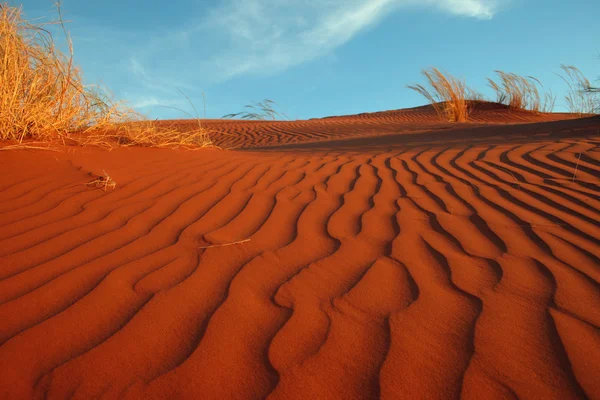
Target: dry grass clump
(548,103)
(521,93)
(145,133)
(138,131)
(41,92)
(580,97)
(43,97)
(262,110)
(449,96)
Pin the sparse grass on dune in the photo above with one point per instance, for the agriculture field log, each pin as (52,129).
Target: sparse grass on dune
(450,96)
(580,98)
(43,97)
(262,111)
(139,131)
(145,133)
(521,93)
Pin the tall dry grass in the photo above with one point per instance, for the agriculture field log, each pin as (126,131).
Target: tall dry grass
(43,97)
(580,98)
(262,111)
(450,96)
(521,92)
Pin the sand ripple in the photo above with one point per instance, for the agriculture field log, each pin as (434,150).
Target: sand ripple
(384,260)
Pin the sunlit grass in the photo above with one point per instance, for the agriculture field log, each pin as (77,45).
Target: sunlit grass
(450,96)
(43,97)
(262,111)
(580,98)
(521,92)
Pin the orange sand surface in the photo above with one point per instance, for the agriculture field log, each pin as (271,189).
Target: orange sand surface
(382,255)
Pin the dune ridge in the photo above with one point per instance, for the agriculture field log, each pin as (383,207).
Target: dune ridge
(240,134)
(373,256)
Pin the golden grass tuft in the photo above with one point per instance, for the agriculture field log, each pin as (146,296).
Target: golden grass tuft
(262,111)
(146,133)
(43,97)
(521,93)
(580,97)
(449,95)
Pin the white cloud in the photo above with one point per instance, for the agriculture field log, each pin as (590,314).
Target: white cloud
(242,37)
(137,69)
(267,36)
(482,9)
(145,102)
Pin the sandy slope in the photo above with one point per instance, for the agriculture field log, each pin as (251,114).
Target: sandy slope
(251,134)
(388,256)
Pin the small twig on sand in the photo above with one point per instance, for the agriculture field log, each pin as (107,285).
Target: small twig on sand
(224,244)
(576,167)
(528,225)
(516,181)
(471,186)
(547,225)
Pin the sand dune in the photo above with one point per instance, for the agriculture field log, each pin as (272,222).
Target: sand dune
(382,255)
(238,134)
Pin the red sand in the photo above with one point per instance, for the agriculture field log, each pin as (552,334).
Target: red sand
(389,256)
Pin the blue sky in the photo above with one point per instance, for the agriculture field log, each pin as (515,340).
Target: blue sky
(318,57)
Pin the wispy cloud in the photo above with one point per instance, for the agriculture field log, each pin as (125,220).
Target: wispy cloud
(238,38)
(141,102)
(481,9)
(138,69)
(267,36)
